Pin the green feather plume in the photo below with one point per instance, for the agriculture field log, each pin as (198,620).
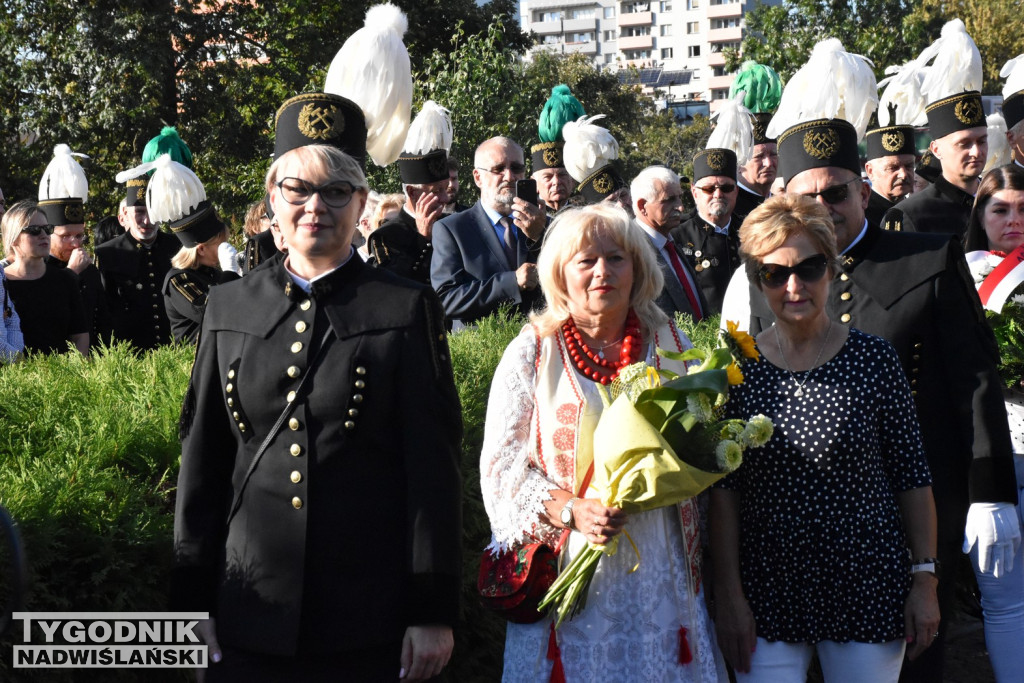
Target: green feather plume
(761,85)
(561,108)
(168,142)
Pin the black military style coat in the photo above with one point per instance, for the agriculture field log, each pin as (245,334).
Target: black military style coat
(185,291)
(96,312)
(745,203)
(877,207)
(132,276)
(399,247)
(914,291)
(349,530)
(712,256)
(941,207)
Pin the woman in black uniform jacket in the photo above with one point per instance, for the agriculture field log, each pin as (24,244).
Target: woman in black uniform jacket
(338,556)
(195,268)
(48,299)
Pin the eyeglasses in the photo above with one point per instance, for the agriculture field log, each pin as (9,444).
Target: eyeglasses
(710,189)
(37,230)
(836,194)
(812,269)
(336,195)
(517,169)
(83,237)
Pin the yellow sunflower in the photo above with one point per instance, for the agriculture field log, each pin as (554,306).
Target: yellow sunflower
(734,374)
(743,340)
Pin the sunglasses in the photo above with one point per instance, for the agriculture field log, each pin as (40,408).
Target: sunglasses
(836,194)
(517,169)
(710,189)
(37,230)
(336,195)
(812,269)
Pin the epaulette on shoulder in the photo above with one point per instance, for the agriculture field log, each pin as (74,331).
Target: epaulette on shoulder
(187,287)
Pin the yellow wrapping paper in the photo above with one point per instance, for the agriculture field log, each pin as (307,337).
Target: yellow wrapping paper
(634,467)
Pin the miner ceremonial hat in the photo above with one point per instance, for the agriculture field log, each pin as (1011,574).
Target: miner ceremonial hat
(320,119)
(560,108)
(714,162)
(818,144)
(64,188)
(890,140)
(424,157)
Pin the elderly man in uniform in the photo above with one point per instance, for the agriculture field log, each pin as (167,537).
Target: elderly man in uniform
(757,175)
(132,269)
(709,238)
(554,184)
(486,256)
(891,158)
(960,143)
(915,292)
(403,244)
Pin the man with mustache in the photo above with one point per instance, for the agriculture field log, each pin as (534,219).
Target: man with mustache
(708,239)
(890,164)
(486,256)
(960,143)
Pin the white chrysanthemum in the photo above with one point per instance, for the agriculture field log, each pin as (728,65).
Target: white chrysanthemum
(728,455)
(700,406)
(757,432)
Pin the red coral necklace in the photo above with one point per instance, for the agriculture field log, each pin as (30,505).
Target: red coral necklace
(593,364)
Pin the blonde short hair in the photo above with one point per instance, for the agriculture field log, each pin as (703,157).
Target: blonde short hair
(18,216)
(387,204)
(568,234)
(187,258)
(768,226)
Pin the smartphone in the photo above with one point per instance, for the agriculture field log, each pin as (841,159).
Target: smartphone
(526,190)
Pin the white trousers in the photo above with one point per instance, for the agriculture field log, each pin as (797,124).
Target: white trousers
(840,662)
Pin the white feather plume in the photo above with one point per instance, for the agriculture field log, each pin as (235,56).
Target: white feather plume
(955,63)
(174,191)
(734,129)
(430,130)
(999,152)
(587,147)
(64,177)
(903,88)
(833,84)
(1013,72)
(372,69)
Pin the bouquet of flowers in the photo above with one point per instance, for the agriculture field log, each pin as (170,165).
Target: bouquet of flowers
(998,278)
(662,439)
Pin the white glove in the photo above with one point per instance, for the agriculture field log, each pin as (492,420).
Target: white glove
(995,527)
(228,257)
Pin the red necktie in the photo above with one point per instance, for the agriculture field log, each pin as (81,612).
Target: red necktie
(677,266)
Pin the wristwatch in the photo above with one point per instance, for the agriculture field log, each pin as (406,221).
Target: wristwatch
(566,514)
(926,564)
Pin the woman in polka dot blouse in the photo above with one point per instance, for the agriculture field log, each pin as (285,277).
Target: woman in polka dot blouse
(824,538)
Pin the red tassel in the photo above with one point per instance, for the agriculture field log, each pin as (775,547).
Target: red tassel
(685,656)
(555,654)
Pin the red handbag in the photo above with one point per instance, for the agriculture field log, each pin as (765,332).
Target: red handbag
(513,583)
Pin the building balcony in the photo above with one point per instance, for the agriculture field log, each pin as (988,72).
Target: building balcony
(723,35)
(636,19)
(579,25)
(557,4)
(721,82)
(716,59)
(545,28)
(581,48)
(635,42)
(733,9)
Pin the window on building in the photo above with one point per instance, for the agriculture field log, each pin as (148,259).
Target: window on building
(692,4)
(609,58)
(719,94)
(584,13)
(723,2)
(666,53)
(587,37)
(692,27)
(609,35)
(732,22)
(666,6)
(693,51)
(609,12)
(695,75)
(666,29)
(719,71)
(549,16)
(637,54)
(634,31)
(634,7)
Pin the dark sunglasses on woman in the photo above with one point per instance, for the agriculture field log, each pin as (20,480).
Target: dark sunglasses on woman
(37,230)
(773,275)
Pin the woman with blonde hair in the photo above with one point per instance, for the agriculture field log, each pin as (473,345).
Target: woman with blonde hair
(48,299)
(194,270)
(600,278)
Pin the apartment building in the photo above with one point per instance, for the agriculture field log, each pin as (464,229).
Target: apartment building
(684,37)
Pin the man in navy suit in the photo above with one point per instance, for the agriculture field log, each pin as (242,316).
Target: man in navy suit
(486,256)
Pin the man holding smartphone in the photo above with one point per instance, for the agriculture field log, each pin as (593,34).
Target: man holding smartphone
(486,256)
